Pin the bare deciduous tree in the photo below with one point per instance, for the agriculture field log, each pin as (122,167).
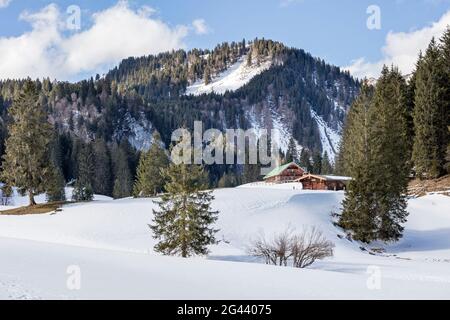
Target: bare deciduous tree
(301,249)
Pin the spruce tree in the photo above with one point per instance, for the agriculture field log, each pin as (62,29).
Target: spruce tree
(291,155)
(102,179)
(447,157)
(26,163)
(317,163)
(123,182)
(430,115)
(56,186)
(358,215)
(305,160)
(327,167)
(377,157)
(83,190)
(390,150)
(183,222)
(445,52)
(150,180)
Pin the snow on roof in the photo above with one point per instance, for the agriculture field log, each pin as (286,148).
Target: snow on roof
(333,177)
(280,169)
(326,177)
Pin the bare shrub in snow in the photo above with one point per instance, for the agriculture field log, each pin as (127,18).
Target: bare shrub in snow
(301,249)
(309,246)
(262,249)
(276,252)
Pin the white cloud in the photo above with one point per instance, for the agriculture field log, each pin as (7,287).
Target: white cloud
(400,49)
(4,3)
(200,26)
(116,33)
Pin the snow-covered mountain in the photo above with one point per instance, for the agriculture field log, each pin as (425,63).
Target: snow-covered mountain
(260,84)
(109,243)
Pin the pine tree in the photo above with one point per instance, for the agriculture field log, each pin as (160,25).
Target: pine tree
(27,163)
(445,50)
(123,183)
(317,163)
(305,160)
(447,157)
(377,157)
(56,186)
(390,148)
(291,155)
(150,180)
(83,190)
(102,180)
(327,167)
(430,115)
(358,214)
(183,222)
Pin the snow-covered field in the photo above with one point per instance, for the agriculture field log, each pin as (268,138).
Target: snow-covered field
(110,244)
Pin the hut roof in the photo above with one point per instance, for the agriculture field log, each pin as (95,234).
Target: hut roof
(280,169)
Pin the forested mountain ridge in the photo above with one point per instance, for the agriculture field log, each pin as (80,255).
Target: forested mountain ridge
(302,96)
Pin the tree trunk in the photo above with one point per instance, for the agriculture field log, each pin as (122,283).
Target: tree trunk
(31,197)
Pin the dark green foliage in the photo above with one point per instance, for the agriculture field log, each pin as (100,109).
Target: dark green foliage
(183,222)
(358,215)
(447,156)
(431,114)
(390,149)
(56,186)
(26,163)
(123,182)
(305,160)
(376,155)
(149,179)
(102,177)
(151,89)
(83,190)
(445,50)
(327,167)
(317,163)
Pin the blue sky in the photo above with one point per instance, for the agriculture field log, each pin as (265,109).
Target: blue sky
(333,30)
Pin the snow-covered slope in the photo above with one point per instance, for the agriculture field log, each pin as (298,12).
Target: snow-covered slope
(330,138)
(110,242)
(232,79)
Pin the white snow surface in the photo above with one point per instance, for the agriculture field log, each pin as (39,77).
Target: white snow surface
(236,76)
(109,240)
